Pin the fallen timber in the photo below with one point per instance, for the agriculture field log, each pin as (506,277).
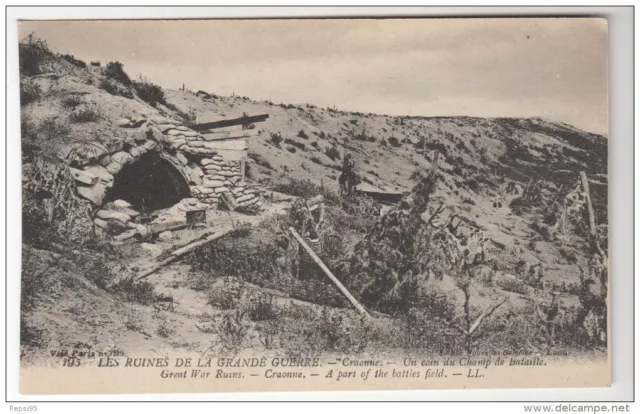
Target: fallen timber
(176,254)
(330,275)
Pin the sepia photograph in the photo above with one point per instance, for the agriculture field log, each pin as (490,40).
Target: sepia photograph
(249,205)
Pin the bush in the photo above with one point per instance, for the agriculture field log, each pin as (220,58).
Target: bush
(305,189)
(71,101)
(332,152)
(231,257)
(115,70)
(31,57)
(150,93)
(291,149)
(261,308)
(393,141)
(95,63)
(302,134)
(316,160)
(75,62)
(260,160)
(512,285)
(232,331)
(29,92)
(226,296)
(299,145)
(114,89)
(138,291)
(100,274)
(276,139)
(88,114)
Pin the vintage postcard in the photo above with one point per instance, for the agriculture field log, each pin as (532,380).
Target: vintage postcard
(337,204)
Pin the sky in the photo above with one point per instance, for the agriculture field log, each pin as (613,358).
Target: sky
(555,68)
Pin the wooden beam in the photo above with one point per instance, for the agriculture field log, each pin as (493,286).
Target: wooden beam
(326,270)
(222,135)
(245,120)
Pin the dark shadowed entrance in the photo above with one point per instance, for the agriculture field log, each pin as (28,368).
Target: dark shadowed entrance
(150,183)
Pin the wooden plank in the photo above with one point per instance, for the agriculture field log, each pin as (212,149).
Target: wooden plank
(222,135)
(245,120)
(236,145)
(229,201)
(326,270)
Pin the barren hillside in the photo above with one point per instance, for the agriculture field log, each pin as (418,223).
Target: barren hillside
(507,178)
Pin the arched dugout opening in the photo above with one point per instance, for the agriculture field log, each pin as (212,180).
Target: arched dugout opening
(149,183)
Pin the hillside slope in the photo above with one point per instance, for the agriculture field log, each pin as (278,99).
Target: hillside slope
(489,169)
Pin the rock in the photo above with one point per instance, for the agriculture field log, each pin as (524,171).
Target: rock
(173,132)
(123,122)
(221,190)
(113,215)
(122,157)
(165,236)
(212,167)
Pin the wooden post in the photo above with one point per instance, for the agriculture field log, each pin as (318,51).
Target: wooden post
(592,217)
(243,167)
(326,270)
